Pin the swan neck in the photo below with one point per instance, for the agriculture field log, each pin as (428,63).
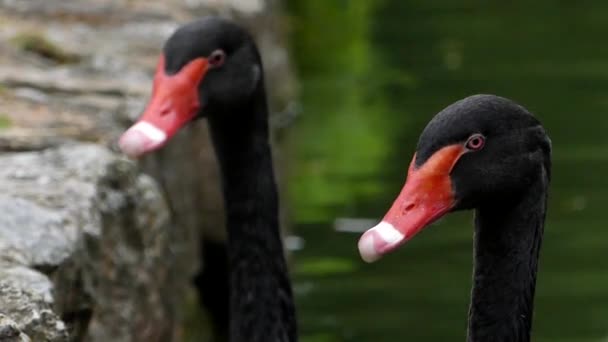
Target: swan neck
(261,300)
(508,238)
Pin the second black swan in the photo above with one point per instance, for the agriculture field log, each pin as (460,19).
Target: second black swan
(211,68)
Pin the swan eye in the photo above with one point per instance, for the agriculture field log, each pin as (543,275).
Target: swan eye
(217,58)
(475,142)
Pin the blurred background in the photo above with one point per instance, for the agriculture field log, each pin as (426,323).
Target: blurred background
(352,83)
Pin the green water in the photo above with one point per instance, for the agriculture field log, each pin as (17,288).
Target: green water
(373,73)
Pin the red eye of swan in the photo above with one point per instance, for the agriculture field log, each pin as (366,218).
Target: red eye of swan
(216,58)
(475,142)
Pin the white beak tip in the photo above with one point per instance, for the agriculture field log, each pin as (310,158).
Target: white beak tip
(378,240)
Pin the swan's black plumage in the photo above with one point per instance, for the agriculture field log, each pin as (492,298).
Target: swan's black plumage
(506,183)
(508,237)
(234,101)
(261,298)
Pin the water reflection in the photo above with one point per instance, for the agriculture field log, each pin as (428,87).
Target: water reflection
(373,74)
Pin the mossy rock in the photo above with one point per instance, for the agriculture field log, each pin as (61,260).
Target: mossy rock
(38,44)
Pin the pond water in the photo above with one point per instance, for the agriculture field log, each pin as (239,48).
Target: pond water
(373,73)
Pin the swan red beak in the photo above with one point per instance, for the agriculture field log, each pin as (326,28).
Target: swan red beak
(174,103)
(426,196)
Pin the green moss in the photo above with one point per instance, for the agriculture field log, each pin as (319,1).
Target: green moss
(5,121)
(38,44)
(196,323)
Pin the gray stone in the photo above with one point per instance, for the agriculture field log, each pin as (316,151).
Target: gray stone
(84,238)
(9,332)
(31,315)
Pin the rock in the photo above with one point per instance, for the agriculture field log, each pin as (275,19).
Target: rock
(85,248)
(30,313)
(9,332)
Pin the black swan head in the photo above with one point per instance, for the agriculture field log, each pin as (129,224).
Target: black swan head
(483,150)
(207,67)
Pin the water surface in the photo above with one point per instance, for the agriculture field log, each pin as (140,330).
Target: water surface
(373,73)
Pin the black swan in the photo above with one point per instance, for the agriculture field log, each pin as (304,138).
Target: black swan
(211,68)
(489,154)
